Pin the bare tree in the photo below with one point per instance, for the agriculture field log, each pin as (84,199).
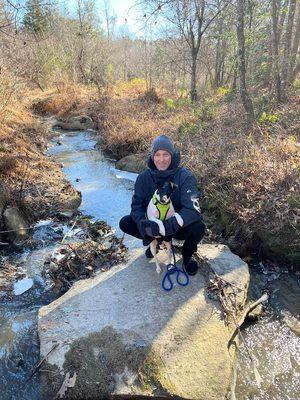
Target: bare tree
(192,18)
(287,47)
(275,49)
(293,67)
(246,100)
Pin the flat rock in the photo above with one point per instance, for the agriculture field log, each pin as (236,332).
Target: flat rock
(124,335)
(133,163)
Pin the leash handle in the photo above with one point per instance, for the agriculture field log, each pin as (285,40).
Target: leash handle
(167,283)
(173,269)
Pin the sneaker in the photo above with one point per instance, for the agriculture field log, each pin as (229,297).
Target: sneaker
(191,267)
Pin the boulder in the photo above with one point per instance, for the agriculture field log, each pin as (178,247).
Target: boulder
(124,335)
(14,221)
(133,163)
(80,123)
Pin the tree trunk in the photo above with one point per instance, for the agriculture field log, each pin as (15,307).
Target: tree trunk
(294,51)
(287,47)
(246,100)
(275,50)
(193,93)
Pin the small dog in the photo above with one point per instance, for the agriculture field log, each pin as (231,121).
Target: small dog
(159,209)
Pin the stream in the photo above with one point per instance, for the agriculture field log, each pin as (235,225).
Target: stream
(106,195)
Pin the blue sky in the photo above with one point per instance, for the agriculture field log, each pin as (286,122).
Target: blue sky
(124,9)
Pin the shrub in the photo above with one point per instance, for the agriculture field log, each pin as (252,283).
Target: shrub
(7,164)
(268,119)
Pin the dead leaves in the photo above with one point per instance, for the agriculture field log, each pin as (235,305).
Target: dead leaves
(99,249)
(69,382)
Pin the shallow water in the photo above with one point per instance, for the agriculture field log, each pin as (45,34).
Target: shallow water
(106,195)
(273,342)
(106,192)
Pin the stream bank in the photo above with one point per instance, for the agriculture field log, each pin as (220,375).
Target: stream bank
(83,165)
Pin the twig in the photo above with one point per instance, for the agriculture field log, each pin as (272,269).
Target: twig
(38,366)
(238,324)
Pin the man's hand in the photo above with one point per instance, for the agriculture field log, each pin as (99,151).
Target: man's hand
(171,226)
(148,228)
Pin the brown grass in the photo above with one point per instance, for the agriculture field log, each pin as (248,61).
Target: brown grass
(251,174)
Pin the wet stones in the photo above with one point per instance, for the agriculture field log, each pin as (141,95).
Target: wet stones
(82,122)
(16,223)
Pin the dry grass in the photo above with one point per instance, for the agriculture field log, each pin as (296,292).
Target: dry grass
(130,123)
(24,169)
(252,175)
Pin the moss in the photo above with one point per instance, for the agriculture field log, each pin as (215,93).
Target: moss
(51,379)
(294,201)
(281,244)
(97,359)
(153,374)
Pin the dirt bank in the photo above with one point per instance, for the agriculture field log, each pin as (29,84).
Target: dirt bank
(30,180)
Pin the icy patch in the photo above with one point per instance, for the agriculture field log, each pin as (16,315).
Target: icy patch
(43,222)
(22,286)
(131,176)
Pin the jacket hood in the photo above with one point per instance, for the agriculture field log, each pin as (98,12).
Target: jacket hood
(161,176)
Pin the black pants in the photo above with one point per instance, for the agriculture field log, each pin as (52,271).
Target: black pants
(191,234)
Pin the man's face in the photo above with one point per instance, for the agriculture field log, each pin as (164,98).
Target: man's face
(162,160)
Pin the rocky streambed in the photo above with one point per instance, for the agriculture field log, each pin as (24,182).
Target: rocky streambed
(106,195)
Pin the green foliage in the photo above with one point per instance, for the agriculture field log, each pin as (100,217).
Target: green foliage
(109,73)
(4,148)
(263,104)
(170,104)
(268,119)
(222,91)
(189,128)
(296,84)
(50,62)
(206,112)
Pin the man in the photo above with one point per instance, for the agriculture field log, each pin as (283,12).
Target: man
(163,165)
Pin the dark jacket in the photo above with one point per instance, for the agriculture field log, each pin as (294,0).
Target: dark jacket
(185,198)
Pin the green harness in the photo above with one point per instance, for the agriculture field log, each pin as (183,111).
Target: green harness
(162,208)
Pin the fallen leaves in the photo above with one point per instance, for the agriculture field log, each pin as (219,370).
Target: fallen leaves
(99,249)
(69,382)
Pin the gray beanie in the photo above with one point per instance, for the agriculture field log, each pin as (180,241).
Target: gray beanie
(162,142)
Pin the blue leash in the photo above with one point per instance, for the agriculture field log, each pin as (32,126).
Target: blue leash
(172,269)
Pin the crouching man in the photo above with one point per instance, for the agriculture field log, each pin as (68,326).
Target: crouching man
(163,166)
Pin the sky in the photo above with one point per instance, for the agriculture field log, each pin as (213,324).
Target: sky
(123,9)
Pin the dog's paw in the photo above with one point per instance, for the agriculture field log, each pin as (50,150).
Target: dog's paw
(158,269)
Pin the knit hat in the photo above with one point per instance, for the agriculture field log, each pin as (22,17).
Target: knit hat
(162,142)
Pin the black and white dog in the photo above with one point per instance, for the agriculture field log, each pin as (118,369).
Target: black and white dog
(159,209)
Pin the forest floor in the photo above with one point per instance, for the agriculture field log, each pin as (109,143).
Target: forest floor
(249,175)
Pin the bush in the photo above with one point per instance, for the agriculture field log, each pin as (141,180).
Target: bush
(269,119)
(7,164)
(206,112)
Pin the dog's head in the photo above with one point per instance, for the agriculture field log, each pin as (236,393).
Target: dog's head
(164,191)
